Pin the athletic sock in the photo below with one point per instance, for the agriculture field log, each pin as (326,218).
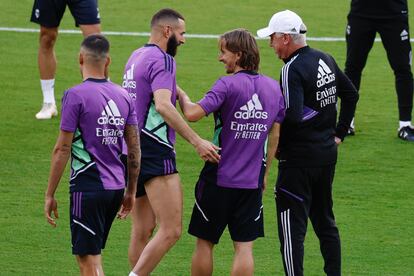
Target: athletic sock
(352,123)
(132,274)
(48,90)
(404,124)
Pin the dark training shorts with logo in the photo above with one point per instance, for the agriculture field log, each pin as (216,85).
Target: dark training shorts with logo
(49,13)
(217,207)
(91,217)
(156,160)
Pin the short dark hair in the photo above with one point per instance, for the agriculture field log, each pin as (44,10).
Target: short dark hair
(241,40)
(97,47)
(165,14)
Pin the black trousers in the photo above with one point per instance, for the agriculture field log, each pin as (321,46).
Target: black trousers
(394,33)
(303,193)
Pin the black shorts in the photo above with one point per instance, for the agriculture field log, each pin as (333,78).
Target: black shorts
(49,13)
(216,207)
(156,160)
(91,217)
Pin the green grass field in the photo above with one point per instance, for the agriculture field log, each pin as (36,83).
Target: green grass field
(374,185)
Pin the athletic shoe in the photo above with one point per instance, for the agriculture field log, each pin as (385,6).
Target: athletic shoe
(406,133)
(47,112)
(350,132)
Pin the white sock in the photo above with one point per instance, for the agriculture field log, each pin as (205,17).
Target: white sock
(352,123)
(132,274)
(48,90)
(404,124)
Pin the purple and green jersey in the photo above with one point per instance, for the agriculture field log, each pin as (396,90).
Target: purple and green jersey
(245,106)
(96,111)
(149,69)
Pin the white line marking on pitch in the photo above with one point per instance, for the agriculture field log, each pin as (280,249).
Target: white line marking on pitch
(146,34)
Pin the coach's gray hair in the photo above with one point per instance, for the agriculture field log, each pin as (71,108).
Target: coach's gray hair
(300,39)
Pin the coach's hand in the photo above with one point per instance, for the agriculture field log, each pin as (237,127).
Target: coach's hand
(207,151)
(51,205)
(127,204)
(338,141)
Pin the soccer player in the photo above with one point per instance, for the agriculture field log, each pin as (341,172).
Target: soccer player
(248,108)
(151,82)
(47,14)
(389,18)
(311,84)
(96,117)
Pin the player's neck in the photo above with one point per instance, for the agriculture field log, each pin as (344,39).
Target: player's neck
(162,43)
(238,69)
(93,74)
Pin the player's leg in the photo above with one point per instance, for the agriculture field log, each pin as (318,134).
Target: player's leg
(395,36)
(202,261)
(90,29)
(208,221)
(143,225)
(46,55)
(360,36)
(243,263)
(91,217)
(245,225)
(86,15)
(323,221)
(90,265)
(293,198)
(48,16)
(165,196)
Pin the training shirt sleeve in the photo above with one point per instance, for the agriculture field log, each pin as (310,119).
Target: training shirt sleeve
(214,98)
(161,74)
(349,98)
(293,93)
(132,115)
(71,110)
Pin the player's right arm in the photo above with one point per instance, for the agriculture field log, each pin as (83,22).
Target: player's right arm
(205,149)
(293,92)
(60,157)
(192,111)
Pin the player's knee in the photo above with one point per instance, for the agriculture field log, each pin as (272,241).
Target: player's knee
(88,264)
(172,235)
(47,38)
(403,73)
(327,232)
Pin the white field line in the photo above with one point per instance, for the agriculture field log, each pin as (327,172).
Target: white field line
(146,34)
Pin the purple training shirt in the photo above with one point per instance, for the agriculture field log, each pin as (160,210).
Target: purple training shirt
(96,111)
(149,69)
(245,106)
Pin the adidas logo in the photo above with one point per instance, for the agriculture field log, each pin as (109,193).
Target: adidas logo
(325,74)
(111,115)
(252,109)
(128,78)
(404,35)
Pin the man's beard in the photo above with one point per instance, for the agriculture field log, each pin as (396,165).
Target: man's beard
(172,45)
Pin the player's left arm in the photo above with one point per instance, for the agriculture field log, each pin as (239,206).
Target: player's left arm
(133,165)
(192,111)
(272,143)
(60,157)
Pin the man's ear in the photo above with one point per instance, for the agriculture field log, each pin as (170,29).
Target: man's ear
(286,39)
(167,29)
(108,61)
(81,60)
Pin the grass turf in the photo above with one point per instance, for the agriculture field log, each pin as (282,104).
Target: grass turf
(374,180)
